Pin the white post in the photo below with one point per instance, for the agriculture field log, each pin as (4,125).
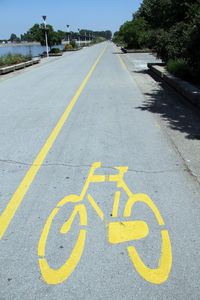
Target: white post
(44,18)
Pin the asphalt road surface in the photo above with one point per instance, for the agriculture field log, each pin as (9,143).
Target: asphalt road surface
(95,202)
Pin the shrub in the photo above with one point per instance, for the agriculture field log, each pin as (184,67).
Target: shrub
(43,54)
(68,47)
(1,62)
(181,69)
(55,50)
(12,59)
(74,44)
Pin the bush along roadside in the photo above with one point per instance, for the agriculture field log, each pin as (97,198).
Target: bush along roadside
(55,51)
(172,29)
(72,46)
(180,68)
(13,59)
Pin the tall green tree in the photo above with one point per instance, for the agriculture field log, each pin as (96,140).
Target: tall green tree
(171,27)
(14,38)
(37,33)
(133,33)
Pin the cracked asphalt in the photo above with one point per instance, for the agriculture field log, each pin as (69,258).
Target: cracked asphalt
(72,225)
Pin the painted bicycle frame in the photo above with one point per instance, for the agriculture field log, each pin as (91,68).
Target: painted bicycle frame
(118,232)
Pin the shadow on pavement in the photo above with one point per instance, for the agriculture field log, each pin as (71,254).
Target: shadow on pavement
(172,107)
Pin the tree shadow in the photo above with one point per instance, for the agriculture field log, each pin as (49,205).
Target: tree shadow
(171,107)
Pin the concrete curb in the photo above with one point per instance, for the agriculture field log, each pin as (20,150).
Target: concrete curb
(72,50)
(19,66)
(55,54)
(187,90)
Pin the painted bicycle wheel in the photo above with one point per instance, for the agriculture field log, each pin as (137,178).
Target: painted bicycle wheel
(55,276)
(161,273)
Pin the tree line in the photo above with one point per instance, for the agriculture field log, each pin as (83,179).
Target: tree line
(170,27)
(37,34)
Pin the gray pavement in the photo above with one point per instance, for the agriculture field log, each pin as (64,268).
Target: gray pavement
(107,124)
(187,90)
(179,120)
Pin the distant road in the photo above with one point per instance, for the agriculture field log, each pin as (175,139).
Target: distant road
(95,202)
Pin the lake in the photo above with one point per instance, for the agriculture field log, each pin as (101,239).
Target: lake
(35,50)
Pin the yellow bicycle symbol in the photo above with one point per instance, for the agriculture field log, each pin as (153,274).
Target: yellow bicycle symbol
(130,231)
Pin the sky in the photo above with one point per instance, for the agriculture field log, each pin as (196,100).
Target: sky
(18,16)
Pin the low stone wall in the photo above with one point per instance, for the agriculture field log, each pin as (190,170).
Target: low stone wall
(12,68)
(189,91)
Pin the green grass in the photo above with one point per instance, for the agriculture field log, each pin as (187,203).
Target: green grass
(12,59)
(181,69)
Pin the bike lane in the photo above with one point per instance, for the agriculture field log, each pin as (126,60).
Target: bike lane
(31,106)
(106,126)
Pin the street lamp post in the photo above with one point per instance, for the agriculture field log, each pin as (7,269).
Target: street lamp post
(79,37)
(67,33)
(44,18)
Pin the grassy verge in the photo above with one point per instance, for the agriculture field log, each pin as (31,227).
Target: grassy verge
(12,59)
(181,69)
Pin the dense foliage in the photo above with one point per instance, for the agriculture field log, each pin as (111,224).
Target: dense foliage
(55,51)
(84,33)
(14,38)
(37,33)
(170,27)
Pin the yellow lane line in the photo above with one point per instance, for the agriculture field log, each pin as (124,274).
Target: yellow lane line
(19,194)
(122,62)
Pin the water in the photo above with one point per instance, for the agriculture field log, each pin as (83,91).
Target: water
(35,50)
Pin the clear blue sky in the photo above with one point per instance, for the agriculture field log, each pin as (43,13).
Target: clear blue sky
(17,16)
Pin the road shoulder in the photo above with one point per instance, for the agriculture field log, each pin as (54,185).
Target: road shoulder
(178,120)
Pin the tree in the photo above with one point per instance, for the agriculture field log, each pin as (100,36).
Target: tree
(133,33)
(103,34)
(61,34)
(14,38)
(171,28)
(108,34)
(37,33)
(117,38)
(34,33)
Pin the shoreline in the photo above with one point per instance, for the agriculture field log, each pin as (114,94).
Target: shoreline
(19,44)
(31,44)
